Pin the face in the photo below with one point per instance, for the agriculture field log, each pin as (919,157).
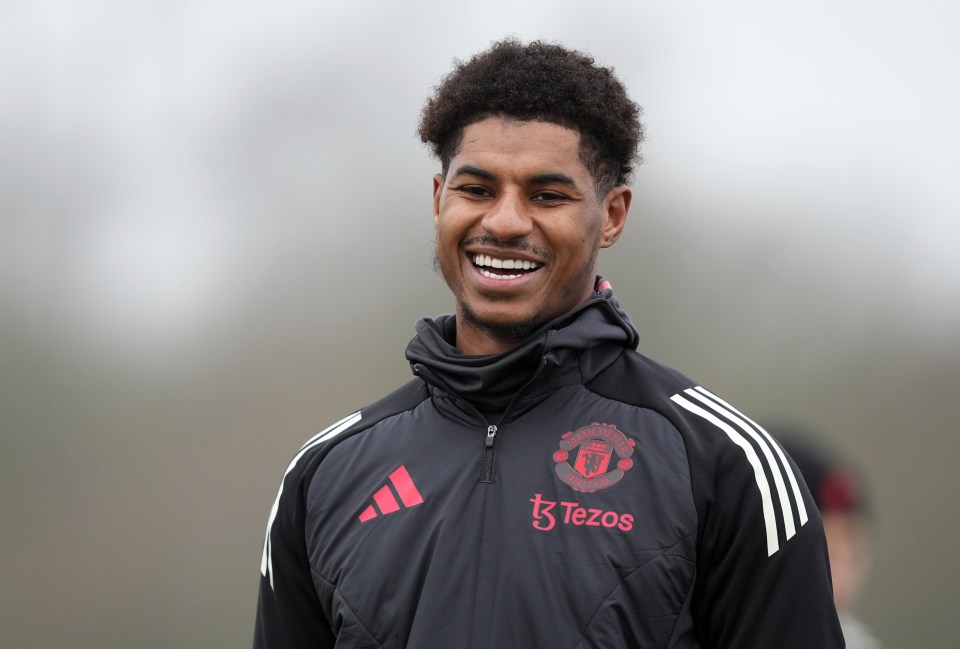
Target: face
(519,225)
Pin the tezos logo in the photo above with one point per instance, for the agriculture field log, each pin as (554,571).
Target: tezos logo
(545,518)
(598,443)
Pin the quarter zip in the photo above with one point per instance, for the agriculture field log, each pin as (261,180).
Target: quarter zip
(488,465)
(490,444)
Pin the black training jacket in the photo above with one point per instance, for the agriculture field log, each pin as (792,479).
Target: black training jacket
(569,493)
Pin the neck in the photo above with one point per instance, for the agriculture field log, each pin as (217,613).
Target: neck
(475,342)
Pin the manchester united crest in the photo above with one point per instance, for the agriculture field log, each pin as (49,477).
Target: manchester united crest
(602,457)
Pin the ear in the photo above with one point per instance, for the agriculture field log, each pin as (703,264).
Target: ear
(437,190)
(616,204)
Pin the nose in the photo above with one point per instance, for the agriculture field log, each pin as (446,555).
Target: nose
(508,218)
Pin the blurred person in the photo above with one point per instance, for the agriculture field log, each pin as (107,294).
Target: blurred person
(540,483)
(839,492)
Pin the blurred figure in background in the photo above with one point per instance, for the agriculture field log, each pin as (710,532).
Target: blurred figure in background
(840,495)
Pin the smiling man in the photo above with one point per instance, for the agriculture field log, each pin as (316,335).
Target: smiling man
(540,483)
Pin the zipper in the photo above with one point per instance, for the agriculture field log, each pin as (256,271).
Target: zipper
(486,473)
(490,443)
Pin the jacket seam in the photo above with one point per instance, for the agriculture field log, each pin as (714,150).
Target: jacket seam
(665,552)
(347,604)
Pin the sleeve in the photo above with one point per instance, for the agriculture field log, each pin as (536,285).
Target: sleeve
(289,611)
(756,591)
(763,576)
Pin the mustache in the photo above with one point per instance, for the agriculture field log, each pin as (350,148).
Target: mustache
(514,245)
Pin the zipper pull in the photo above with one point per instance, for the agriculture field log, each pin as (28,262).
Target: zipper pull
(491,434)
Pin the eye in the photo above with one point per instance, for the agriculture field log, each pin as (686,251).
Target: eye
(475,190)
(548,197)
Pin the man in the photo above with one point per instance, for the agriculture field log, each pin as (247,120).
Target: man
(539,483)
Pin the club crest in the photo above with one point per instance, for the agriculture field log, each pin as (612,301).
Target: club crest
(595,446)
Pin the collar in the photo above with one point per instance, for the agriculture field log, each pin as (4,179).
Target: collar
(490,382)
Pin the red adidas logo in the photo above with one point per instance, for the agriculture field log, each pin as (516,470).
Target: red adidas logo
(385,500)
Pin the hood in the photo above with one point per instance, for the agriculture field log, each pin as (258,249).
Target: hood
(490,382)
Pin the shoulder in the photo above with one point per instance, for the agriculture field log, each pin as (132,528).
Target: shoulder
(400,400)
(289,506)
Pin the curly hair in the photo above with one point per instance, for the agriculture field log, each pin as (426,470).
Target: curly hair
(545,82)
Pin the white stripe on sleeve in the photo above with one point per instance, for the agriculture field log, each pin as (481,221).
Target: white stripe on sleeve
(710,400)
(769,518)
(266,561)
(791,476)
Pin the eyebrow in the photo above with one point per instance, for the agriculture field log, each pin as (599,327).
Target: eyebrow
(470,170)
(549,178)
(554,178)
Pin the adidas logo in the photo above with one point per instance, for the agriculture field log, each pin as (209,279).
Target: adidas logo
(385,500)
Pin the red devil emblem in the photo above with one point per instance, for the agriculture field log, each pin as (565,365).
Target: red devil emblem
(593,458)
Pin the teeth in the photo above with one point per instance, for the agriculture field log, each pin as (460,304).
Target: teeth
(494,262)
(487,273)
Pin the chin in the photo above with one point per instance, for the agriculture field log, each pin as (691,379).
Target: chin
(513,328)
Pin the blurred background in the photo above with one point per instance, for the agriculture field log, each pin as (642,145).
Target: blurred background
(215,237)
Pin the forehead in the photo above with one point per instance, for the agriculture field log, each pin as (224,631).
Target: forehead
(503,145)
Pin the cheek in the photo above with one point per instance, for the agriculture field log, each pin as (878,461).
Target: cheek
(447,241)
(447,251)
(453,226)
(582,229)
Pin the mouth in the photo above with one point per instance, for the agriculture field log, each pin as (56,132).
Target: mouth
(503,268)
